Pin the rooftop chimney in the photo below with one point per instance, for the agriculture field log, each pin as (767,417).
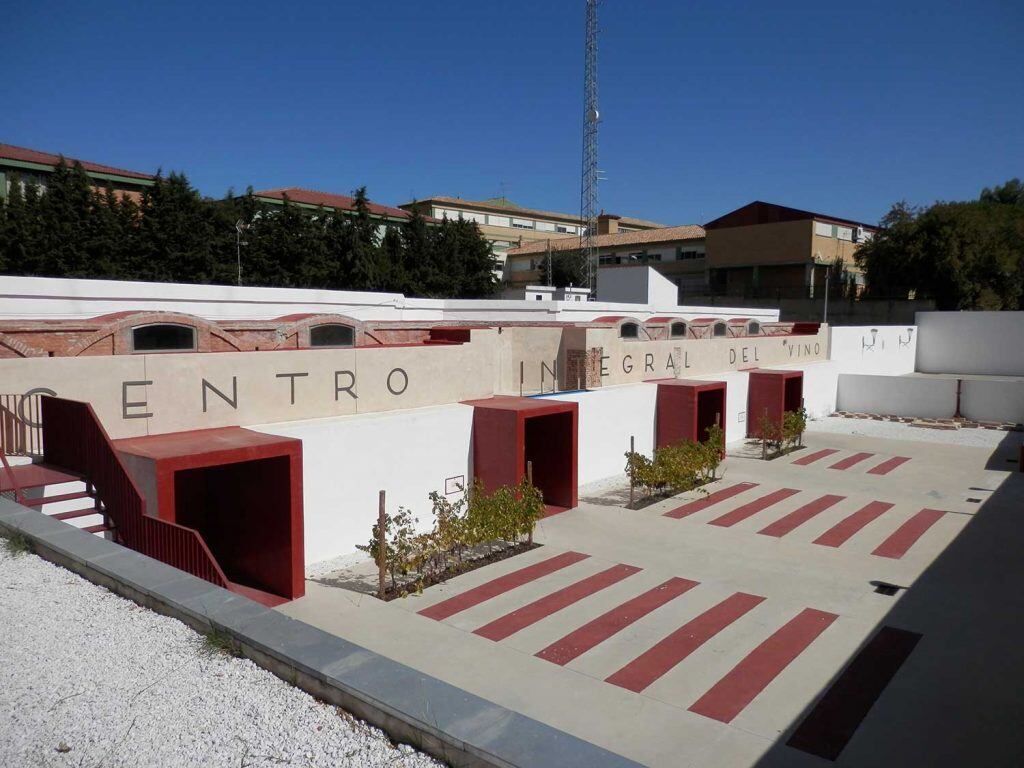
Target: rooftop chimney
(608,224)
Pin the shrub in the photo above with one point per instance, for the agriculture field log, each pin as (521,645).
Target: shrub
(501,518)
(678,467)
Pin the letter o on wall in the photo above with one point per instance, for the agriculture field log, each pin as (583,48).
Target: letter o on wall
(405,381)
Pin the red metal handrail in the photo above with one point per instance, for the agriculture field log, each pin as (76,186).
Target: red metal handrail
(74,438)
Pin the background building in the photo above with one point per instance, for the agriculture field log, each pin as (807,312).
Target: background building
(310,198)
(676,252)
(507,225)
(31,165)
(764,249)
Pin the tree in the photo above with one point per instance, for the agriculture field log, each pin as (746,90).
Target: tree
(567,269)
(965,256)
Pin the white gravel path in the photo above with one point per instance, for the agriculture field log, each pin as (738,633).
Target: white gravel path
(89,679)
(981,438)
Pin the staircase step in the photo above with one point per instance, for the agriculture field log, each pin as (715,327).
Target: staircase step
(54,499)
(72,514)
(28,476)
(101,528)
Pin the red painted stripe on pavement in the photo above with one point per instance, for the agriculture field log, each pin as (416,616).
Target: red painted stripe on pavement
(666,654)
(888,465)
(741,685)
(840,533)
(906,535)
(803,461)
(849,461)
(798,517)
(709,500)
(740,514)
(595,632)
(523,617)
(500,585)
(835,718)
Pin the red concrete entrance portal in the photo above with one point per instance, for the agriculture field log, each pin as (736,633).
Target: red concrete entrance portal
(240,490)
(686,409)
(772,393)
(510,431)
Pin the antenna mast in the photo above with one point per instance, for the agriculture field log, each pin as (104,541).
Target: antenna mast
(588,185)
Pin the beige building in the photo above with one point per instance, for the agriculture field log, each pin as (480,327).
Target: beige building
(677,252)
(507,225)
(763,249)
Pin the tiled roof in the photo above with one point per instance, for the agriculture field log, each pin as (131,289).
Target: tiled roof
(328,200)
(504,205)
(760,212)
(640,237)
(11,152)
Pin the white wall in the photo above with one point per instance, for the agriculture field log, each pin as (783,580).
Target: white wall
(28,298)
(923,397)
(993,400)
(988,343)
(821,384)
(607,419)
(885,349)
(636,285)
(347,460)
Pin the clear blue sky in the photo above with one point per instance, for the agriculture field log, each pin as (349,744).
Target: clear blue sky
(705,106)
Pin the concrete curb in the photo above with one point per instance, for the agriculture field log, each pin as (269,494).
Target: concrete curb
(451,724)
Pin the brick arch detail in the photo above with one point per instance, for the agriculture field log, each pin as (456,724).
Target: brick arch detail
(295,335)
(207,334)
(20,348)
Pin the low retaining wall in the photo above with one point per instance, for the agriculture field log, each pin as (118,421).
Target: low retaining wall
(999,400)
(449,723)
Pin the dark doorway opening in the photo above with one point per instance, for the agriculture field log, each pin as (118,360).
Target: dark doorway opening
(243,512)
(548,444)
(710,411)
(794,397)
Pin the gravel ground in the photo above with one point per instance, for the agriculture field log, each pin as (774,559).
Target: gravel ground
(89,679)
(981,438)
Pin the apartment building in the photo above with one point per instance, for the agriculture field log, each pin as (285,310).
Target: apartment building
(507,225)
(764,249)
(28,166)
(679,253)
(311,198)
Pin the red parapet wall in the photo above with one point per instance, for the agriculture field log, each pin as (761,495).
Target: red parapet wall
(772,393)
(508,432)
(686,409)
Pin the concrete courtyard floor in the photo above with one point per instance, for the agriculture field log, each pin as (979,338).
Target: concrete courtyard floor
(707,636)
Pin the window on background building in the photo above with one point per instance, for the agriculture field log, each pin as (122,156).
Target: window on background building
(844,233)
(565,229)
(498,221)
(720,329)
(539,297)
(677,330)
(610,258)
(689,255)
(821,229)
(522,223)
(629,330)
(164,337)
(331,335)
(545,226)
(637,256)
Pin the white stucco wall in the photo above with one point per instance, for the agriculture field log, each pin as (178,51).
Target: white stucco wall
(607,419)
(987,343)
(821,383)
(924,397)
(28,298)
(347,460)
(882,349)
(993,400)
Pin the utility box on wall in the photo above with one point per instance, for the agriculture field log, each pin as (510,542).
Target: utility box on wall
(508,432)
(686,409)
(771,394)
